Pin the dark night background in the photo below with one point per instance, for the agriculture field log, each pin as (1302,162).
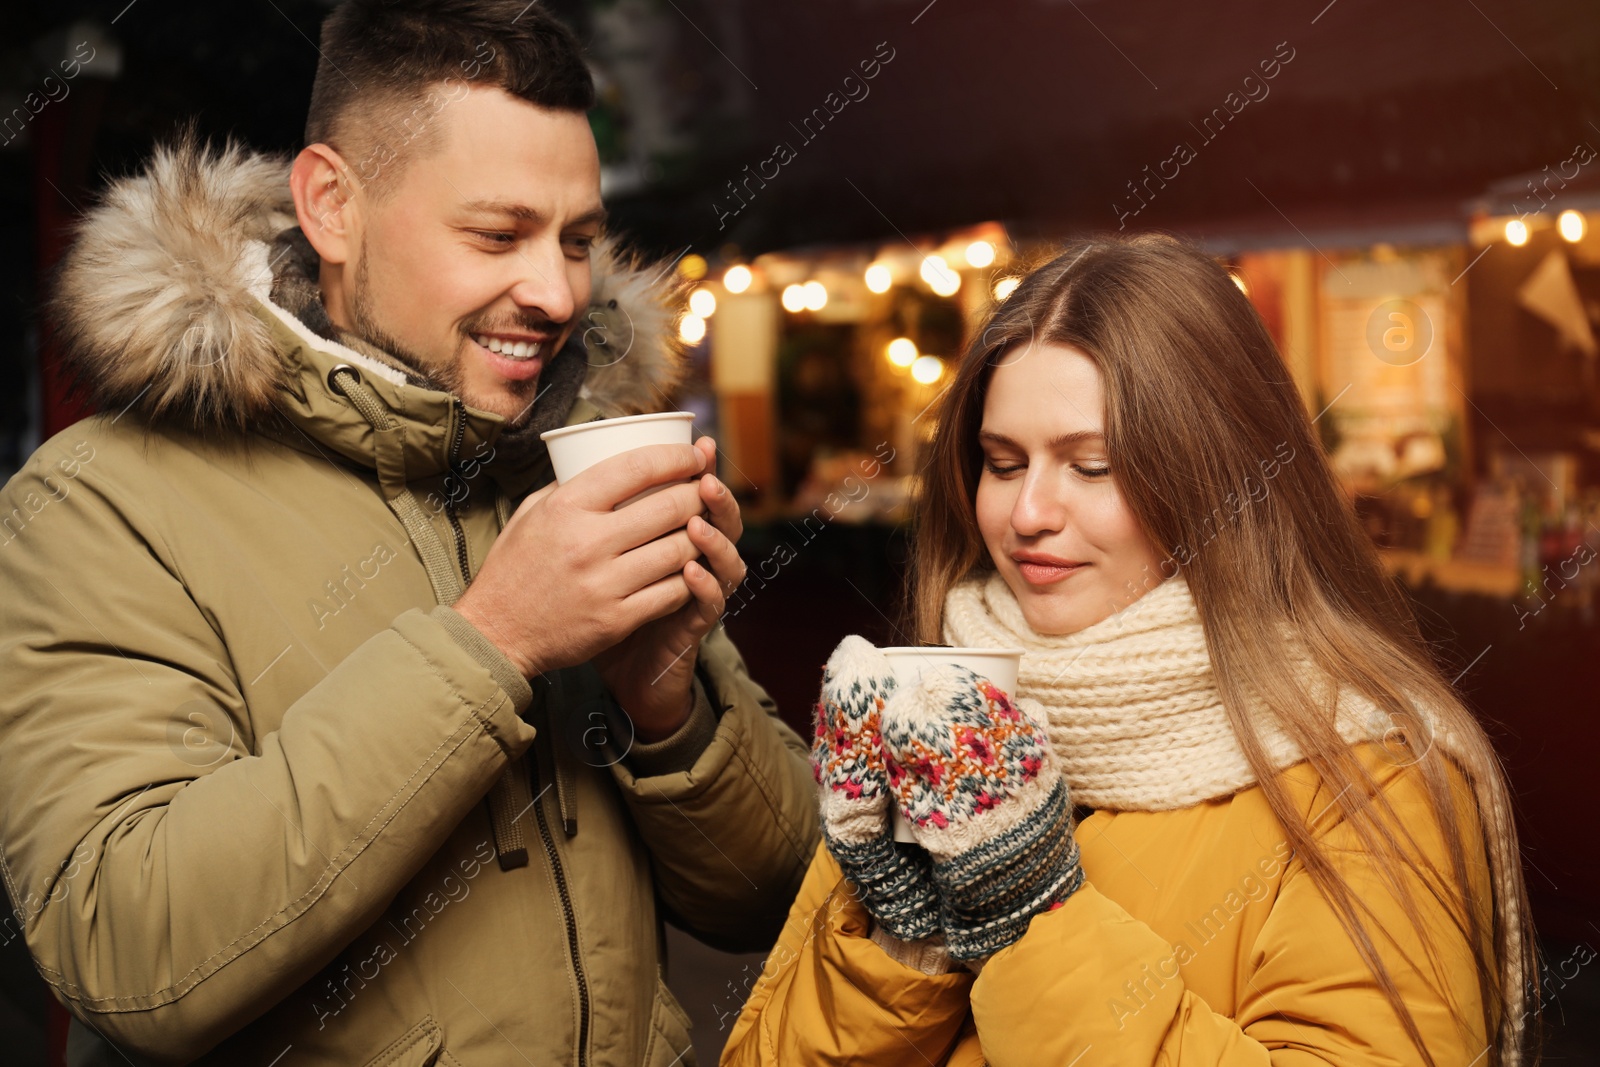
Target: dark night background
(1394,119)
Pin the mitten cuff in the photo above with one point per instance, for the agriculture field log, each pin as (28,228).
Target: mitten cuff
(895,882)
(992,892)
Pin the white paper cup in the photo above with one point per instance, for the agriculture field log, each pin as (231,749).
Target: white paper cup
(999,665)
(574,449)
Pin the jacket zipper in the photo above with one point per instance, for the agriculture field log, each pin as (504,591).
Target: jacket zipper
(572,930)
(450,504)
(568,915)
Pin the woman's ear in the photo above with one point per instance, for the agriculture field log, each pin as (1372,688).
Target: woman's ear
(325,202)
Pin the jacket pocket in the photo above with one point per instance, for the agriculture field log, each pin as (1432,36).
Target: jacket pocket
(669,1044)
(420,1046)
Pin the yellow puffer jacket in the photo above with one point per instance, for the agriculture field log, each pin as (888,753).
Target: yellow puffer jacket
(1197,938)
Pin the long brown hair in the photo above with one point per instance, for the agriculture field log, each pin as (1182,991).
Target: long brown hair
(1200,414)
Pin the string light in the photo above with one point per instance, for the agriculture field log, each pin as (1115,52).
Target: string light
(1572,225)
(1517,232)
(878,278)
(815,295)
(738,279)
(794,298)
(1004,287)
(692,328)
(692,267)
(940,278)
(703,302)
(980,253)
(902,351)
(927,369)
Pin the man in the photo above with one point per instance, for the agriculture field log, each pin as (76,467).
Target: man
(316,745)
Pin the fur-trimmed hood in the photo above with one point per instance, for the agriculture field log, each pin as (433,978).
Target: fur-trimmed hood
(157,304)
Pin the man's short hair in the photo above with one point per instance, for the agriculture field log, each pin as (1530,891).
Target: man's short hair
(389,67)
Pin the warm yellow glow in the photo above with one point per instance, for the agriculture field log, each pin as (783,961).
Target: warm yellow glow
(1238,279)
(879,278)
(1006,286)
(927,369)
(692,267)
(902,351)
(1572,225)
(692,328)
(703,302)
(738,279)
(815,296)
(794,298)
(940,278)
(1517,232)
(980,253)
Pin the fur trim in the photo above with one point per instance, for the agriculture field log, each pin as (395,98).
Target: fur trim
(154,304)
(635,356)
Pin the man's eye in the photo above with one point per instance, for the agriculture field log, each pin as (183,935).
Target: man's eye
(580,245)
(496,237)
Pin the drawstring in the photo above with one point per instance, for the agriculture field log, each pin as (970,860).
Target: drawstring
(510,800)
(566,777)
(567,792)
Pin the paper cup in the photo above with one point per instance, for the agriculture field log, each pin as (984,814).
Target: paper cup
(999,665)
(574,449)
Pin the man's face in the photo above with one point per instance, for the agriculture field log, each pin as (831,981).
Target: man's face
(482,245)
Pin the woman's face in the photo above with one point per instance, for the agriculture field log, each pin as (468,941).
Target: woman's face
(1049,508)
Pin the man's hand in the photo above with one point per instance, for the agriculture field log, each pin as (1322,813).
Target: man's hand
(651,671)
(569,578)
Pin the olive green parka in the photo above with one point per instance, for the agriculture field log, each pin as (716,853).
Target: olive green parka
(264,797)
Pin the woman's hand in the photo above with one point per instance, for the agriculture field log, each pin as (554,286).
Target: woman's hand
(895,880)
(978,780)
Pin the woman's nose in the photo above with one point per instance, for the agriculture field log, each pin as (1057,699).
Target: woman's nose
(1039,508)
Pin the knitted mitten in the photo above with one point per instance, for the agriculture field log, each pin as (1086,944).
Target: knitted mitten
(979,783)
(895,880)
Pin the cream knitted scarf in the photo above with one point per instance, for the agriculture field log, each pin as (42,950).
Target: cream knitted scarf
(1136,722)
(1135,719)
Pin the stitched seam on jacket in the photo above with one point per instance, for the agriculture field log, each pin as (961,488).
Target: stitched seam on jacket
(736,739)
(727,735)
(172,993)
(405,1042)
(763,784)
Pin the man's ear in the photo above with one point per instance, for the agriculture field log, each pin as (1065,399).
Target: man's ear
(325,202)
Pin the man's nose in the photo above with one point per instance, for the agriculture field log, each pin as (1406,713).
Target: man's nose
(541,282)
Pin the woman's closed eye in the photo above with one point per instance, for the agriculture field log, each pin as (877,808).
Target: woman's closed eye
(1091,471)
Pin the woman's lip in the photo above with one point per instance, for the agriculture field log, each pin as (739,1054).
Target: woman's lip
(1047,573)
(513,370)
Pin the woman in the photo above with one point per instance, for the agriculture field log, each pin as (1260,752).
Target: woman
(1290,841)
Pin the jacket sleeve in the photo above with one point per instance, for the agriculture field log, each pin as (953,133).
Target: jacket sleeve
(174,875)
(828,994)
(1305,998)
(730,836)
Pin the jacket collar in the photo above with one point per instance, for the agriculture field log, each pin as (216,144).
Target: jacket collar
(165,305)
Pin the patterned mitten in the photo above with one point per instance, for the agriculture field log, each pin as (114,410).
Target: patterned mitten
(980,785)
(895,880)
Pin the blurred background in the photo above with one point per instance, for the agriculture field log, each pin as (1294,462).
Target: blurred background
(1407,190)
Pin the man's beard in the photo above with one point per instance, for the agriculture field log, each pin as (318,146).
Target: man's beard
(520,438)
